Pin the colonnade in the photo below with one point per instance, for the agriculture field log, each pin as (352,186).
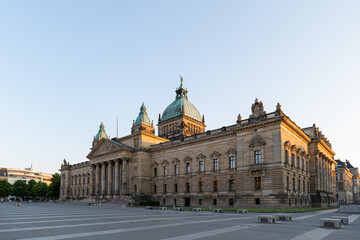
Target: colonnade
(109,179)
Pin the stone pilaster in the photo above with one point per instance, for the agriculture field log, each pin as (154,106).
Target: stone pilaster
(103,179)
(116,177)
(92,167)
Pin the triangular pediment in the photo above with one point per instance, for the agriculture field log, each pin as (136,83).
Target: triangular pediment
(106,146)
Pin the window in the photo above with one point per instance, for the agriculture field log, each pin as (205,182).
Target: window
(216,164)
(214,202)
(175,187)
(200,201)
(155,172)
(294,184)
(292,159)
(298,162)
(174,201)
(176,169)
(164,188)
(231,202)
(165,170)
(302,164)
(231,185)
(216,186)
(287,183)
(231,162)
(257,155)
(135,188)
(304,187)
(257,182)
(163,201)
(187,167)
(341,186)
(201,186)
(201,166)
(286,156)
(257,201)
(154,188)
(187,187)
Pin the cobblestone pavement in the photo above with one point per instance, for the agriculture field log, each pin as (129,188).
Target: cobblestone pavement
(48,221)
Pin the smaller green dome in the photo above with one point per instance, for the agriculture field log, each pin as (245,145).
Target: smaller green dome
(101,133)
(143,117)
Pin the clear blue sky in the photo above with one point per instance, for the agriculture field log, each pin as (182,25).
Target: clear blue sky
(65,66)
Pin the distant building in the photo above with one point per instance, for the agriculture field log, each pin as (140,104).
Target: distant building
(13,174)
(347,182)
(264,161)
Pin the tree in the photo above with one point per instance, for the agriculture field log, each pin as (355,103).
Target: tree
(31,185)
(5,188)
(54,187)
(20,189)
(40,189)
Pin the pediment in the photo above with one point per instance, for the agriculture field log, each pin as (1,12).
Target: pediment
(257,141)
(104,147)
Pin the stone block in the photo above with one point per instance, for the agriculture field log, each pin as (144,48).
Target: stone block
(162,208)
(283,217)
(242,211)
(218,210)
(179,209)
(330,223)
(266,219)
(196,209)
(344,220)
(149,207)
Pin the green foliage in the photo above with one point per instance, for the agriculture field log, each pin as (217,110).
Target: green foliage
(5,188)
(31,185)
(40,189)
(54,187)
(149,202)
(20,189)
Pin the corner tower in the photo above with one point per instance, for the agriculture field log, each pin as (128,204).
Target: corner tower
(142,122)
(181,118)
(100,135)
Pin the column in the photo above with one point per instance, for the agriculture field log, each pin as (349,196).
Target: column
(124,175)
(97,179)
(103,186)
(116,177)
(92,166)
(109,178)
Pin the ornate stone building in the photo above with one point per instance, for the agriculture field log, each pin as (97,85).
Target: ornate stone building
(264,161)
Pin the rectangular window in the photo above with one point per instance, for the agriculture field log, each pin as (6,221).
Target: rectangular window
(341,186)
(231,202)
(163,201)
(257,182)
(187,187)
(216,164)
(287,183)
(176,169)
(174,201)
(155,172)
(257,155)
(175,187)
(165,170)
(201,186)
(231,162)
(201,166)
(216,186)
(214,202)
(135,188)
(155,189)
(257,201)
(187,167)
(231,185)
(294,184)
(298,162)
(165,188)
(200,202)
(286,156)
(292,159)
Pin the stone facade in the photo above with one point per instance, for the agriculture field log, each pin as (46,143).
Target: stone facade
(264,161)
(347,182)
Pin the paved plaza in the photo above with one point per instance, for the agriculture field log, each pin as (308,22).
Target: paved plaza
(40,221)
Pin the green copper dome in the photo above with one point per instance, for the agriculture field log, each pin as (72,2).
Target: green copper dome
(181,106)
(143,116)
(101,134)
